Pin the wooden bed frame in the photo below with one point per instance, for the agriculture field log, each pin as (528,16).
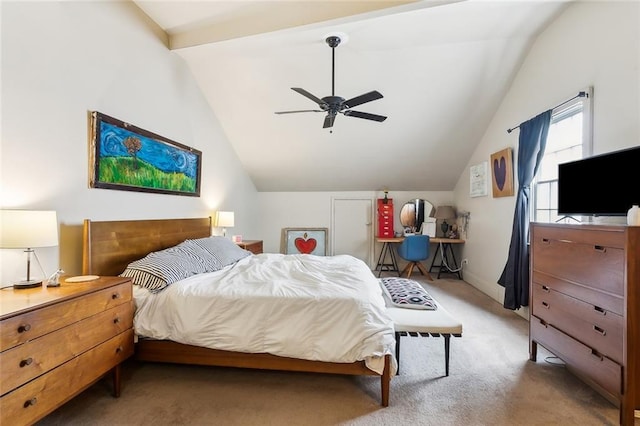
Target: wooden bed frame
(109,246)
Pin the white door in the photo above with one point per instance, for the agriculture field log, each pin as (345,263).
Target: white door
(352,228)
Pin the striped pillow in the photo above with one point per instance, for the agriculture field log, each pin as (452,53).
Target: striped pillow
(159,269)
(223,250)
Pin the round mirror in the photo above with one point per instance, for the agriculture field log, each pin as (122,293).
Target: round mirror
(413,213)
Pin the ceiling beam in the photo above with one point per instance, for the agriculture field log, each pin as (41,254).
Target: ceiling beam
(261,17)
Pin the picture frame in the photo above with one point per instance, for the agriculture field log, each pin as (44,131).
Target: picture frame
(128,158)
(305,241)
(478,180)
(502,173)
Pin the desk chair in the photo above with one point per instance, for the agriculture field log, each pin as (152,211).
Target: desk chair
(415,249)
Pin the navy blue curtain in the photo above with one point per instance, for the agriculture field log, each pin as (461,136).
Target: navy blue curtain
(515,276)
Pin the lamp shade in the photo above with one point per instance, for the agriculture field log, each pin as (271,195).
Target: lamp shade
(223,219)
(445,212)
(21,229)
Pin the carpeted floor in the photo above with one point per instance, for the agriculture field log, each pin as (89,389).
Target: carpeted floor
(491,382)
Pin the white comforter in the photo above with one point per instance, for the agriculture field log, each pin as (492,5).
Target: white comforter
(300,306)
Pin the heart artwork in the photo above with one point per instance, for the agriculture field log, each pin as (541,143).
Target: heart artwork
(305,246)
(500,172)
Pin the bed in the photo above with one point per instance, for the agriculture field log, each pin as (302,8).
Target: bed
(109,247)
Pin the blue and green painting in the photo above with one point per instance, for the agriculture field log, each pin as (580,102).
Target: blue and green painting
(128,158)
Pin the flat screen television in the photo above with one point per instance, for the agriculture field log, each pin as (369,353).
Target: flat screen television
(602,185)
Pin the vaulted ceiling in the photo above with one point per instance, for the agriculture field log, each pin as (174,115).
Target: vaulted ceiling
(442,68)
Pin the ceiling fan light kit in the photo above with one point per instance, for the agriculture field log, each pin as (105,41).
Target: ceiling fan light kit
(333,104)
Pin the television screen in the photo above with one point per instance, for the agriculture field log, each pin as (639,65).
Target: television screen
(602,185)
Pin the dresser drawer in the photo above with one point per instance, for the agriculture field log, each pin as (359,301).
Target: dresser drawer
(604,301)
(39,397)
(598,329)
(34,358)
(574,262)
(28,326)
(580,358)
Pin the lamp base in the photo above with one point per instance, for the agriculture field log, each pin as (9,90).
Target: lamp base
(27,284)
(444,227)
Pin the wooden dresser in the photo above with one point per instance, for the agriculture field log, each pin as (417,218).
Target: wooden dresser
(585,305)
(57,341)
(254,246)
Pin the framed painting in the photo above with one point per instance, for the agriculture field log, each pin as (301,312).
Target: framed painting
(502,173)
(129,158)
(305,241)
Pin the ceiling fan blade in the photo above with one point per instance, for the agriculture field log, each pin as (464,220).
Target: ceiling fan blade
(301,110)
(362,99)
(328,121)
(309,95)
(365,115)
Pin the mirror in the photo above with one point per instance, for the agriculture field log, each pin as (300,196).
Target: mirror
(413,213)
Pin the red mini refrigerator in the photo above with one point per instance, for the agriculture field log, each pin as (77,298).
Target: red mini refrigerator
(385,218)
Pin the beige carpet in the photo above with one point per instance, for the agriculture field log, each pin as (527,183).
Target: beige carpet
(491,382)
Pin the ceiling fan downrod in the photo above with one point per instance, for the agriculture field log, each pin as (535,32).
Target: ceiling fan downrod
(333,42)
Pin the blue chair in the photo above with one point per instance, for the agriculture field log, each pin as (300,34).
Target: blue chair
(415,249)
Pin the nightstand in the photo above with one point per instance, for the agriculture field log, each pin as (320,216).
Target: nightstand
(254,246)
(57,341)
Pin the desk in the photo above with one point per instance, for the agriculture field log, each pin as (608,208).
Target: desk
(448,263)
(382,264)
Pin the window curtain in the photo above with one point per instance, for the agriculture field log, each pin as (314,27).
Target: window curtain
(515,276)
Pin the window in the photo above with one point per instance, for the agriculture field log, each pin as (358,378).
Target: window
(569,139)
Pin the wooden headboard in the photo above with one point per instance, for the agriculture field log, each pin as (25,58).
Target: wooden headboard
(109,246)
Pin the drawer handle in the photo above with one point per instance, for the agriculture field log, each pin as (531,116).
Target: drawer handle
(119,349)
(24,327)
(30,402)
(545,289)
(599,310)
(116,320)
(546,241)
(115,296)
(601,249)
(26,362)
(599,330)
(597,355)
(545,304)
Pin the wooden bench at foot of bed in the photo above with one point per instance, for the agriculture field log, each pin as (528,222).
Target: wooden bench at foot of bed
(425,323)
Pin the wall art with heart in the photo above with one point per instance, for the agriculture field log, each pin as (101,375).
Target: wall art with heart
(502,173)
(305,241)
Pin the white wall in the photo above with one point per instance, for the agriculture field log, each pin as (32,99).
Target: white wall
(313,209)
(61,60)
(591,44)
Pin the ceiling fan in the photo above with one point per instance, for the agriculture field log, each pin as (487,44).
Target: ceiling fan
(333,104)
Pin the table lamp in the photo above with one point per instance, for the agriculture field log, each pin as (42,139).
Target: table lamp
(28,229)
(223,220)
(444,213)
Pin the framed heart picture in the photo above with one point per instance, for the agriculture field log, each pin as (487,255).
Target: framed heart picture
(502,173)
(305,241)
